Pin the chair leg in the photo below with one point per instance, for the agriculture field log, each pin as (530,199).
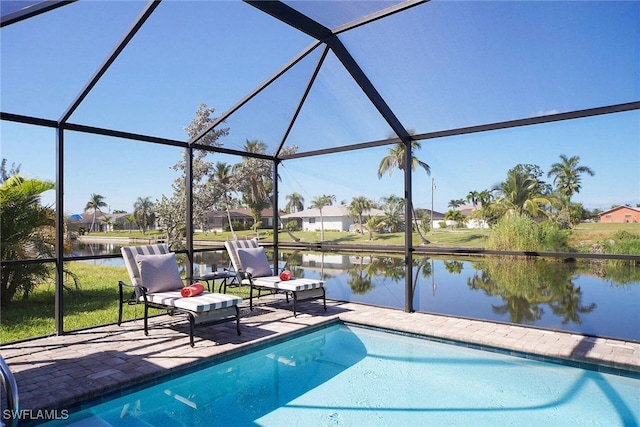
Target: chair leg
(250,297)
(295,300)
(120,304)
(146,316)
(237,319)
(192,324)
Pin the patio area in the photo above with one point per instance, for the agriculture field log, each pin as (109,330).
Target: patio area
(57,372)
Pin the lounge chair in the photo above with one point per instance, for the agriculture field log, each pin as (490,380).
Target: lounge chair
(156,283)
(252,268)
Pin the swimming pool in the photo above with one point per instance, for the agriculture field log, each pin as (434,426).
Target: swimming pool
(348,375)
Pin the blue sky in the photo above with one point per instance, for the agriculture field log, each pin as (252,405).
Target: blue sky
(439,66)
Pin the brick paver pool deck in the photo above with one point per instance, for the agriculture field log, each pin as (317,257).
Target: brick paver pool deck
(58,372)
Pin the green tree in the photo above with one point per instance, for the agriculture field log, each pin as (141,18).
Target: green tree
(6,174)
(456,216)
(396,159)
(171,211)
(253,176)
(320,202)
(374,224)
(221,178)
(357,207)
(142,209)
(520,194)
(455,203)
(393,207)
(129,220)
(26,231)
(295,203)
(567,177)
(106,220)
(96,201)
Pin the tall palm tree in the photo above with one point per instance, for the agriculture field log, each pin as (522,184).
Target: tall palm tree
(129,219)
(566,176)
(254,177)
(455,203)
(295,203)
(221,178)
(141,210)
(473,197)
(396,159)
(357,207)
(319,202)
(96,201)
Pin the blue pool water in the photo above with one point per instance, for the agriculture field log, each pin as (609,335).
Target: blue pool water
(351,376)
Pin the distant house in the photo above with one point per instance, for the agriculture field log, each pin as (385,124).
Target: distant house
(334,218)
(621,214)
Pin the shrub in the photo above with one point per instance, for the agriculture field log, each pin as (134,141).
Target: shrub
(521,233)
(623,242)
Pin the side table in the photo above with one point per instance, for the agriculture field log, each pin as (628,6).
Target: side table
(210,279)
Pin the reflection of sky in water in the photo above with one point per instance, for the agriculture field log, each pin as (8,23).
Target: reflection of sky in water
(614,314)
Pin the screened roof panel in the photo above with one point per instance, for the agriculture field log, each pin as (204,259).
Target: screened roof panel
(338,13)
(336,113)
(267,115)
(44,64)
(8,7)
(444,65)
(185,56)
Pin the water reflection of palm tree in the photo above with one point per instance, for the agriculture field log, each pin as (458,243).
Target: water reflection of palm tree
(520,310)
(424,268)
(360,277)
(568,304)
(453,266)
(525,285)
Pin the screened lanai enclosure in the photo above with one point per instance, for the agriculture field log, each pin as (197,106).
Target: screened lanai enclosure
(143,101)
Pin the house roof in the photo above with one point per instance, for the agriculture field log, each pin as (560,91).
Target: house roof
(618,208)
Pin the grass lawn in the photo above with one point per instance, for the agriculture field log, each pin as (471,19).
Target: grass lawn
(96,303)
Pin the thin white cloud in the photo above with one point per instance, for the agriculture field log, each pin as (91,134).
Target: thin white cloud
(546,112)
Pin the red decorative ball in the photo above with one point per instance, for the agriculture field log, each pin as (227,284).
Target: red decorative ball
(285,275)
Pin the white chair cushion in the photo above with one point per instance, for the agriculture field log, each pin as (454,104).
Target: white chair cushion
(254,261)
(159,273)
(294,285)
(203,302)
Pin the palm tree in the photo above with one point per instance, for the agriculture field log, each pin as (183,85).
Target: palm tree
(473,197)
(221,178)
(566,175)
(107,223)
(129,219)
(295,203)
(254,177)
(455,203)
(518,194)
(96,201)
(319,202)
(357,206)
(141,210)
(25,233)
(396,159)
